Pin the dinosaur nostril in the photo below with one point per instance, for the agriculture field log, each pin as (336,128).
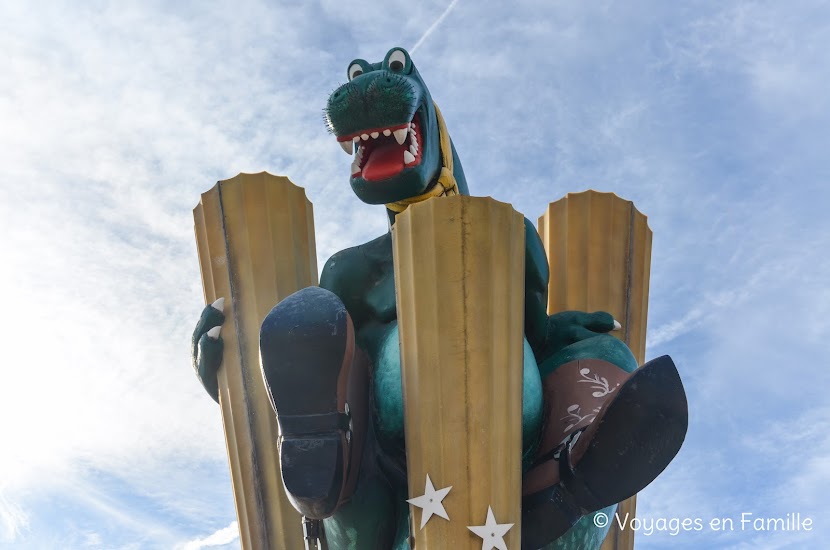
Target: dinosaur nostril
(339,96)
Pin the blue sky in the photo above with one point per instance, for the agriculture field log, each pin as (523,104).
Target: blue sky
(711,116)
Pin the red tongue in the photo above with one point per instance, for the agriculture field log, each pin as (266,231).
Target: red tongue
(384,162)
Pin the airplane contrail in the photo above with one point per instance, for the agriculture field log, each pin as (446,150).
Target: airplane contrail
(434,25)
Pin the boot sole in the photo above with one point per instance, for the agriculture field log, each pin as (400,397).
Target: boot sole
(306,347)
(639,434)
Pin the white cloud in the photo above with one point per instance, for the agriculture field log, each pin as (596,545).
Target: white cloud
(775,471)
(221,537)
(105,150)
(13,519)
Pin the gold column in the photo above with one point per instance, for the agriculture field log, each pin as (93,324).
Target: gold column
(255,238)
(459,277)
(599,251)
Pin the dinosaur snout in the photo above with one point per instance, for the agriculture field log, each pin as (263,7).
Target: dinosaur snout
(376,99)
(341,95)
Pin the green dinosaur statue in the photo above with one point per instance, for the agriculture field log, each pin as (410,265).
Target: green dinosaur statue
(596,428)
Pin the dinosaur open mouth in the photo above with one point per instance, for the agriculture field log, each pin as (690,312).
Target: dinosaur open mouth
(384,152)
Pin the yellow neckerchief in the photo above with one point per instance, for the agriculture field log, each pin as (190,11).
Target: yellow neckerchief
(446,185)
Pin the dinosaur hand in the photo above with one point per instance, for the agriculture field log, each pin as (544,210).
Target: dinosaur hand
(207,345)
(568,327)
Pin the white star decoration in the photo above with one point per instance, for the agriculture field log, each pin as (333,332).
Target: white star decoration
(491,532)
(430,502)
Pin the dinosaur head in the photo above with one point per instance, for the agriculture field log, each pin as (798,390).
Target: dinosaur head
(384,117)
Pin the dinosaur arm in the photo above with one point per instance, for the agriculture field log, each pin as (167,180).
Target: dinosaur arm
(344,274)
(362,278)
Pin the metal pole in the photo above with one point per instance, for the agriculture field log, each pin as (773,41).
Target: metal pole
(255,238)
(459,275)
(599,251)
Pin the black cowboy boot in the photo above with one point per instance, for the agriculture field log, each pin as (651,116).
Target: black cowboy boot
(317,380)
(609,433)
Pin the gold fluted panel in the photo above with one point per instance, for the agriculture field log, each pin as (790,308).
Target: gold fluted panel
(255,238)
(599,251)
(459,276)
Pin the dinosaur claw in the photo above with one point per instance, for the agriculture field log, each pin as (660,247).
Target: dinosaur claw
(617,325)
(219,304)
(214,333)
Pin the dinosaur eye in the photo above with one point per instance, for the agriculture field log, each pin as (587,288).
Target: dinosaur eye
(397,61)
(355,70)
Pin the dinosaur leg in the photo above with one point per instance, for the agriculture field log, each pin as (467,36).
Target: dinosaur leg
(317,380)
(369,519)
(611,429)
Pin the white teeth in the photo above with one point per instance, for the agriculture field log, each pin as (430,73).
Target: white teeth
(408,158)
(374,135)
(387,132)
(412,125)
(358,160)
(364,137)
(400,135)
(347,146)
(413,149)
(356,139)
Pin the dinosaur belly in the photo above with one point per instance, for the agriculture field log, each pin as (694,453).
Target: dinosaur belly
(388,392)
